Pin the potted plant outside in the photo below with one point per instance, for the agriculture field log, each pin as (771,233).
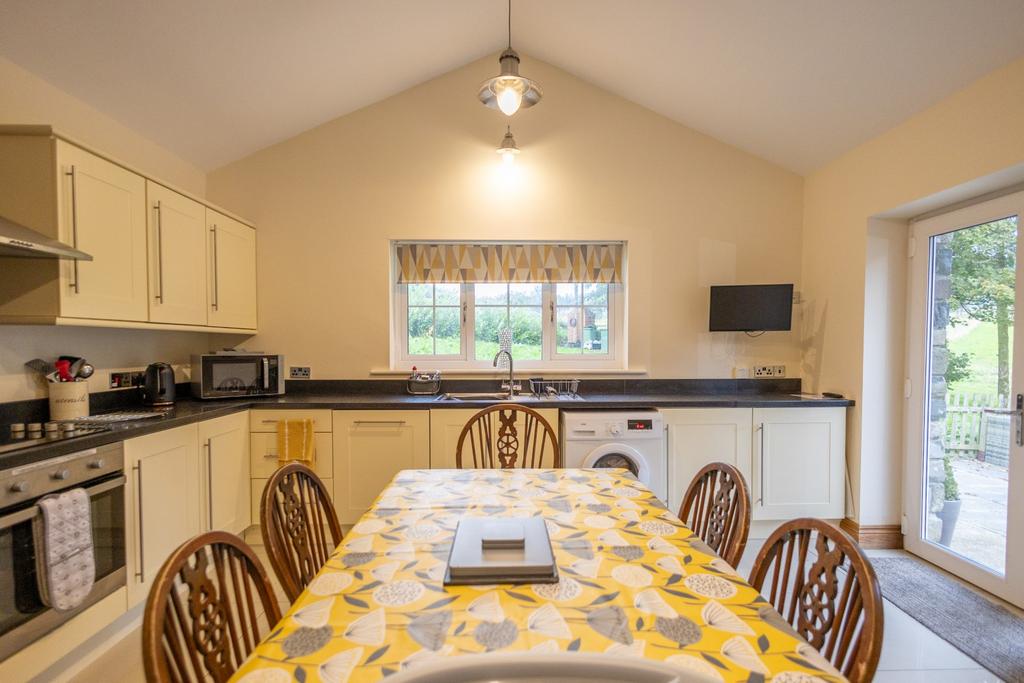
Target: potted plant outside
(950,512)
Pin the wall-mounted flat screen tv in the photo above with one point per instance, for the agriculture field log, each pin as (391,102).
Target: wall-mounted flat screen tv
(751,308)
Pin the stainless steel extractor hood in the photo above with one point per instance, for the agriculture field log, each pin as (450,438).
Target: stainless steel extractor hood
(17,240)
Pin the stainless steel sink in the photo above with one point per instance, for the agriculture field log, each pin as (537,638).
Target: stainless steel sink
(484,396)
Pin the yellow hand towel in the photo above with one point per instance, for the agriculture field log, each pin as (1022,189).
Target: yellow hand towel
(295,441)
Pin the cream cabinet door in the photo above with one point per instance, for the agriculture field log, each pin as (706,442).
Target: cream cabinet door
(177,257)
(799,463)
(446,425)
(370,447)
(224,444)
(162,502)
(232,272)
(701,436)
(102,211)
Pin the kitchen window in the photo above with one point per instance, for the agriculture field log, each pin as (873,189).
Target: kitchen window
(558,306)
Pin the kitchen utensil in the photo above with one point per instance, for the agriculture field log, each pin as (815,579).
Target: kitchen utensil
(86,371)
(39,365)
(76,367)
(64,371)
(158,387)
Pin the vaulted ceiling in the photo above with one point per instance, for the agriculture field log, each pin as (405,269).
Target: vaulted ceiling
(797,82)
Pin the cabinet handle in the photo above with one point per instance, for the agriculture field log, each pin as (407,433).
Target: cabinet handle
(140,573)
(760,472)
(209,483)
(216,279)
(74,226)
(159,252)
(551,307)
(378,422)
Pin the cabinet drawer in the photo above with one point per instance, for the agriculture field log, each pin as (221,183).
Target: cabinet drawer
(266,420)
(257,495)
(263,454)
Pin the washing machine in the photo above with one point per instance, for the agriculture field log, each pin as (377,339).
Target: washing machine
(632,439)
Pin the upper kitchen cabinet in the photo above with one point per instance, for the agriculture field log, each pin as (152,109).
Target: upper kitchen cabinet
(231,271)
(161,259)
(102,211)
(88,202)
(177,254)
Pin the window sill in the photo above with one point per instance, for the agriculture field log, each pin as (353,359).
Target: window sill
(546,372)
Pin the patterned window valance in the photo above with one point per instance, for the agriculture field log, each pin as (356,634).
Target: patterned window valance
(536,262)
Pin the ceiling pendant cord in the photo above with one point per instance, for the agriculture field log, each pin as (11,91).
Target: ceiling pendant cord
(509,91)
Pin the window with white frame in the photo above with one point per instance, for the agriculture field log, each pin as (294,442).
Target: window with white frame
(560,306)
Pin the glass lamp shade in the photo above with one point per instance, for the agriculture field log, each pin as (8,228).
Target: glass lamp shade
(509,92)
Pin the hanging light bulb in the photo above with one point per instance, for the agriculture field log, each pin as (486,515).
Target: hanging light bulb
(508,91)
(510,95)
(508,148)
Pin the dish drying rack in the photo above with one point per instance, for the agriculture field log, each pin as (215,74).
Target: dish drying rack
(554,387)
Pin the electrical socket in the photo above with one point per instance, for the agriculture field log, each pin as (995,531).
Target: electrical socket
(298,372)
(126,380)
(769,371)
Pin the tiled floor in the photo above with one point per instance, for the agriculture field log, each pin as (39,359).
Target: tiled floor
(910,652)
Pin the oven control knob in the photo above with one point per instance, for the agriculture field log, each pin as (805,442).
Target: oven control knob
(60,475)
(96,464)
(18,487)
(615,430)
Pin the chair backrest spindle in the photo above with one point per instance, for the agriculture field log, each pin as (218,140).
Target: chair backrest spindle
(522,438)
(201,619)
(299,525)
(716,507)
(824,586)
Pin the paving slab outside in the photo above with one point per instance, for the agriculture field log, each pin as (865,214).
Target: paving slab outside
(981,530)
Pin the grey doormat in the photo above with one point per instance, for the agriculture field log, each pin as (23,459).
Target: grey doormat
(988,633)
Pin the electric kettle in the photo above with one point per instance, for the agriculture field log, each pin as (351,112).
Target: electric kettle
(158,387)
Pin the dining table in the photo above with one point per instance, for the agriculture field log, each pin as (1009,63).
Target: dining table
(633,581)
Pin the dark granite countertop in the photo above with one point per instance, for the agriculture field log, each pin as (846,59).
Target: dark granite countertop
(338,396)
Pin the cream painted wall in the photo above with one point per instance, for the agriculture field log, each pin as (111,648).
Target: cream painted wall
(933,158)
(594,166)
(24,98)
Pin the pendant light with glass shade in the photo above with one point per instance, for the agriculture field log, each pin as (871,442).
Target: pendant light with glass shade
(508,148)
(508,91)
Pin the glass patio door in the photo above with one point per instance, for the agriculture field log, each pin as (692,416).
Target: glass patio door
(963,483)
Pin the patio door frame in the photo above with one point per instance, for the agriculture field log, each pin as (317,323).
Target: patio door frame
(1009,586)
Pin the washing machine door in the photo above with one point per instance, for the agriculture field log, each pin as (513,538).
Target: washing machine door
(620,455)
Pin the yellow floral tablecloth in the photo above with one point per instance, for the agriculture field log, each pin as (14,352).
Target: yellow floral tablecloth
(633,582)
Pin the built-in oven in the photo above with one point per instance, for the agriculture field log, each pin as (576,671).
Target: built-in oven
(233,373)
(24,617)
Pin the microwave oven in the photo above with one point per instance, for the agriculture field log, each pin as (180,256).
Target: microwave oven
(235,374)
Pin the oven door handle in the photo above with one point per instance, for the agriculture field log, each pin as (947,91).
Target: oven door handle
(29,513)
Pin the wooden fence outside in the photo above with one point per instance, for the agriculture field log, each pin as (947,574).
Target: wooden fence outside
(965,421)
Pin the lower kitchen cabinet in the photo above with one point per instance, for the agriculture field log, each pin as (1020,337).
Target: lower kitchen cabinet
(799,463)
(224,472)
(792,458)
(446,425)
(263,455)
(162,501)
(699,436)
(370,447)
